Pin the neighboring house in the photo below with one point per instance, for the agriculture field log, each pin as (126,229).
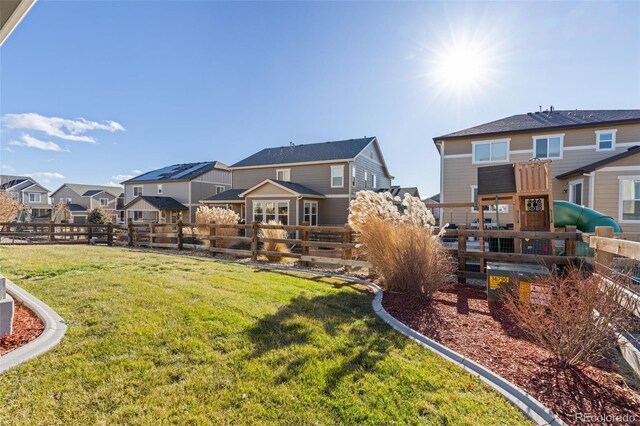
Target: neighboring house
(594,155)
(304,183)
(432,203)
(33,196)
(398,191)
(172,193)
(81,199)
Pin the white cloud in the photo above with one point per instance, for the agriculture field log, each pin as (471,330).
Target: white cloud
(136,171)
(31,142)
(68,129)
(8,149)
(7,168)
(120,178)
(112,183)
(45,177)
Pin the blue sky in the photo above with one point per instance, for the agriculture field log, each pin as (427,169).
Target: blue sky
(164,82)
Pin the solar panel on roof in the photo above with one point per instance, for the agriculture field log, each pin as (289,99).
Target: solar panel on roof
(189,170)
(158,174)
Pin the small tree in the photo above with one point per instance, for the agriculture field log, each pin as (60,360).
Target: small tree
(9,207)
(98,216)
(61,213)
(578,315)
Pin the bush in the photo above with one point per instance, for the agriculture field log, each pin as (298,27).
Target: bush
(280,234)
(9,207)
(206,215)
(61,213)
(578,320)
(400,245)
(98,216)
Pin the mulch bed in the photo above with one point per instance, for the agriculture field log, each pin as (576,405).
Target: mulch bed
(26,327)
(461,318)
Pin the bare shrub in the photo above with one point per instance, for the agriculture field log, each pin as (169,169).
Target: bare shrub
(207,215)
(9,207)
(400,243)
(280,234)
(578,316)
(61,213)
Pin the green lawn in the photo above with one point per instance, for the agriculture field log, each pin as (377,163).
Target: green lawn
(175,339)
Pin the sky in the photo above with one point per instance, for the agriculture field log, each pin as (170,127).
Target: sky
(97,91)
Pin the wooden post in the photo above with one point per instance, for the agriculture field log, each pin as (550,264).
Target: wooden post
(603,259)
(180,235)
(152,230)
(89,233)
(130,232)
(346,252)
(305,239)
(483,262)
(110,234)
(51,232)
(462,247)
(213,232)
(254,241)
(570,245)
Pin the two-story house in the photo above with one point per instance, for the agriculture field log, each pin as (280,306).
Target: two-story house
(172,193)
(81,199)
(33,196)
(311,183)
(595,160)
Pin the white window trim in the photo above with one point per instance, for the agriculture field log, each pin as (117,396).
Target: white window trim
(69,200)
(39,200)
(558,135)
(317,211)
(490,142)
(613,139)
(620,179)
(375,181)
(572,184)
(134,190)
(264,210)
(220,186)
(288,171)
(474,210)
(160,190)
(105,204)
(337,167)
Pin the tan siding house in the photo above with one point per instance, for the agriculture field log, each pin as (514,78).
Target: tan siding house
(573,140)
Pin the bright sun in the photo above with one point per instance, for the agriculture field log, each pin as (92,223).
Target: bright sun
(461,68)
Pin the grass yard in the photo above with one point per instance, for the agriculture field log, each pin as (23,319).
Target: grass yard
(174,339)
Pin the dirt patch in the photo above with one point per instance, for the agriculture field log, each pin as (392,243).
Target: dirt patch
(461,318)
(26,327)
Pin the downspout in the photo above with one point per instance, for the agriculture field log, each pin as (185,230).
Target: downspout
(592,189)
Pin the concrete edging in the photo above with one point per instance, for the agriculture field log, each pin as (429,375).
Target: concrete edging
(526,403)
(54,329)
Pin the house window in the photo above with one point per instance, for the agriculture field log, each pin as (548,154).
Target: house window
(159,188)
(502,208)
(548,146)
(265,211)
(219,189)
(69,200)
(606,140)
(137,191)
(375,183)
(366,178)
(283,174)
(310,212)
(629,199)
(34,197)
(104,202)
(137,215)
(337,176)
(490,151)
(576,191)
(353,175)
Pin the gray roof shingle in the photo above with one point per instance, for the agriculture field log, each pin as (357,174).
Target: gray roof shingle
(300,189)
(76,208)
(178,172)
(228,195)
(547,120)
(597,164)
(324,151)
(160,203)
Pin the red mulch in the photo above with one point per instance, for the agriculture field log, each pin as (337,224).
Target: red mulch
(26,327)
(461,318)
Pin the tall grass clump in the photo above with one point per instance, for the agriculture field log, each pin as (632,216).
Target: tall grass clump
(279,234)
(207,215)
(400,242)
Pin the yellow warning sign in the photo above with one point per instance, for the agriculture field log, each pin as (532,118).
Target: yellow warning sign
(495,281)
(525,291)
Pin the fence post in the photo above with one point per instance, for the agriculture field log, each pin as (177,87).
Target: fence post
(180,235)
(462,260)
(110,234)
(130,232)
(603,259)
(51,232)
(305,239)
(254,241)
(346,251)
(570,245)
(89,233)
(213,232)
(152,230)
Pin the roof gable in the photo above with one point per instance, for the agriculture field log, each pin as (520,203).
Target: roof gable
(178,172)
(285,188)
(83,189)
(547,120)
(634,150)
(160,203)
(306,153)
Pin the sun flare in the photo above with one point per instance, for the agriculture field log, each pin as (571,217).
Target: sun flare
(462,67)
